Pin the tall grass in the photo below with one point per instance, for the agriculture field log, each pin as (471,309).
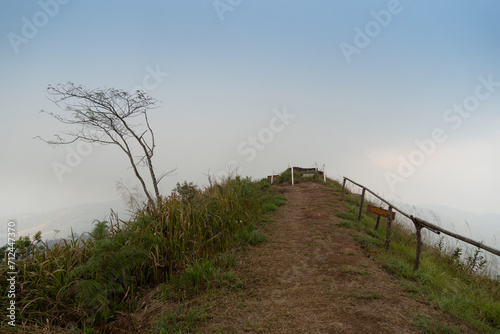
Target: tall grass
(85,281)
(444,280)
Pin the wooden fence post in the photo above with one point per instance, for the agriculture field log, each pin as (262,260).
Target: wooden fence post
(418,228)
(388,232)
(343,190)
(378,222)
(361,207)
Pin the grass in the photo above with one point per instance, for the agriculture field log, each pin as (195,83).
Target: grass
(347,216)
(431,326)
(349,253)
(350,270)
(180,320)
(443,281)
(201,276)
(368,295)
(252,237)
(368,242)
(179,245)
(347,223)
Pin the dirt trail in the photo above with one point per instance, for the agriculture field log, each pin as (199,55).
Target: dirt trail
(312,277)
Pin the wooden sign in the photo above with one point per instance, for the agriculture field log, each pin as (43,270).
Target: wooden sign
(379,211)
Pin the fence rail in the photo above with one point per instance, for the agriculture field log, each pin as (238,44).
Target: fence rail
(418,222)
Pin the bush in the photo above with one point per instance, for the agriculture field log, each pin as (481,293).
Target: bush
(186,191)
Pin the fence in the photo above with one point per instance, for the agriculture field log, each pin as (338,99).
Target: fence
(419,224)
(314,169)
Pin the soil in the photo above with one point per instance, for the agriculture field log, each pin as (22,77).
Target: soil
(313,277)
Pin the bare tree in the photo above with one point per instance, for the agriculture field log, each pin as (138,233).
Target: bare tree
(105,116)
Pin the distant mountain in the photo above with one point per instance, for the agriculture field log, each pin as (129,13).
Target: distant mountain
(58,224)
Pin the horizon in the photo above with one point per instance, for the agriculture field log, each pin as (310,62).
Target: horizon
(400,96)
(80,219)
(121,203)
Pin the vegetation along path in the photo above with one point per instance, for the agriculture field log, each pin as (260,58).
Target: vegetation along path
(312,276)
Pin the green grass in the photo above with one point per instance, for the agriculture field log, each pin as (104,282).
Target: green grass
(181,320)
(442,281)
(351,270)
(368,242)
(346,215)
(347,223)
(178,243)
(426,325)
(368,295)
(252,237)
(201,275)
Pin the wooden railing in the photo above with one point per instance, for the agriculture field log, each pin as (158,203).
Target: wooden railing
(418,222)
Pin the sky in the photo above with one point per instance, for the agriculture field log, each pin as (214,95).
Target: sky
(401,96)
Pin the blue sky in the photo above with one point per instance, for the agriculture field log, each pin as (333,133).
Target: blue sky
(221,81)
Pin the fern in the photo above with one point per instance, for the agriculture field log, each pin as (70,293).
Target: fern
(100,231)
(105,276)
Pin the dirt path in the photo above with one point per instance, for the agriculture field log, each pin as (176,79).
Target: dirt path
(312,277)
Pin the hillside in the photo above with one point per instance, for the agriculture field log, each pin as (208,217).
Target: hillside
(314,277)
(246,257)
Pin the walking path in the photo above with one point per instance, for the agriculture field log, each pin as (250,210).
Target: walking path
(313,277)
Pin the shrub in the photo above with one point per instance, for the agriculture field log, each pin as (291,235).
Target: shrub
(186,191)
